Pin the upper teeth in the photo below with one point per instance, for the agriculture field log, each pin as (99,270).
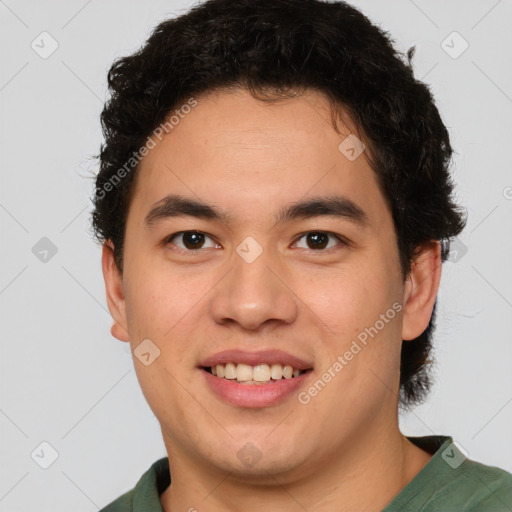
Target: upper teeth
(259,373)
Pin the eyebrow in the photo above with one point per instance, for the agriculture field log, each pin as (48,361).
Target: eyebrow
(174,205)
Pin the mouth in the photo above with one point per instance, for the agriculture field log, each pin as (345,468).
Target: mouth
(255,379)
(259,374)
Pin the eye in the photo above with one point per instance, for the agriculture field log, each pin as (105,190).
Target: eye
(319,240)
(190,240)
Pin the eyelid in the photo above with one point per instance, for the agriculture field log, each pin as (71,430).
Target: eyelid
(343,241)
(167,240)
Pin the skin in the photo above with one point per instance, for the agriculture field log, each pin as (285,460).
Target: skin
(343,450)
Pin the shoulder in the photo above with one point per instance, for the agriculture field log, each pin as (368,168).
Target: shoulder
(146,493)
(452,482)
(487,488)
(122,504)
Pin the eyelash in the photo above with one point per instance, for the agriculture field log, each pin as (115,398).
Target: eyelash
(343,241)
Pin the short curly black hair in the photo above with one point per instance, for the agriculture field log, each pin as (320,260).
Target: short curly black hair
(275,48)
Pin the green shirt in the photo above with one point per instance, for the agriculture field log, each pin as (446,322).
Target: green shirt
(449,482)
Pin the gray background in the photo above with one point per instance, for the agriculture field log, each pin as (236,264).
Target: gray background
(66,381)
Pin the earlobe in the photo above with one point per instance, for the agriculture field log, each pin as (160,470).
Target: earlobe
(115,292)
(421,290)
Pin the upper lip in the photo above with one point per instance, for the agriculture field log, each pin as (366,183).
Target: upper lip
(271,356)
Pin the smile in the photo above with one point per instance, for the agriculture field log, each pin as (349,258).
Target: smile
(258,374)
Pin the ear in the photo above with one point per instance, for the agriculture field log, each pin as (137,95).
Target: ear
(115,292)
(421,289)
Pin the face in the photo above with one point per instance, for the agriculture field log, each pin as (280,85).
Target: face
(244,278)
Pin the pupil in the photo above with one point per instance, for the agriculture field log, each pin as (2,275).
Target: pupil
(193,240)
(316,240)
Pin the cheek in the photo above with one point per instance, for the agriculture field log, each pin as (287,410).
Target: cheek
(158,301)
(357,312)
(160,308)
(349,301)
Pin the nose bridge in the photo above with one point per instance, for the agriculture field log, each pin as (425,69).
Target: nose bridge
(252,294)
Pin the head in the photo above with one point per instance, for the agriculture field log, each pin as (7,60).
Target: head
(246,108)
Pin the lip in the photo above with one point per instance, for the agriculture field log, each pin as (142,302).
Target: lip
(271,356)
(254,395)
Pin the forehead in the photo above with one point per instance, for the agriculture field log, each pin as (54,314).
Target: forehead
(249,155)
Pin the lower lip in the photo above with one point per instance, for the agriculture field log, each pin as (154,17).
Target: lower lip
(254,395)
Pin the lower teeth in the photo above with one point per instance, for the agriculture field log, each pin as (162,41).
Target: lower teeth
(251,382)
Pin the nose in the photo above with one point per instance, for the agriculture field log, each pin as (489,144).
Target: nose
(254,295)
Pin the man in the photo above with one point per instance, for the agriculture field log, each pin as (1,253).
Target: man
(275,206)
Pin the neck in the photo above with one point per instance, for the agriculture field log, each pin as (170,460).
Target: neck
(366,473)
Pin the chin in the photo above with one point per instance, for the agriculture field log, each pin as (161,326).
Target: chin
(251,455)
